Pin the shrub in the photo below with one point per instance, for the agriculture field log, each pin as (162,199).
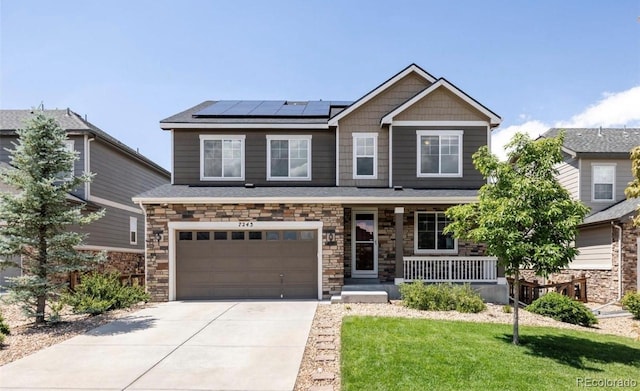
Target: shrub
(441,297)
(507,309)
(98,293)
(562,308)
(4,329)
(631,303)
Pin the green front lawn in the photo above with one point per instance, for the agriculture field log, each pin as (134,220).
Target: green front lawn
(419,354)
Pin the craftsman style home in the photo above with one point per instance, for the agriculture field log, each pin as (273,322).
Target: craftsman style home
(596,170)
(302,199)
(120,173)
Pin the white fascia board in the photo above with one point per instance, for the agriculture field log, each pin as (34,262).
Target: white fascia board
(307,200)
(182,125)
(110,249)
(413,68)
(388,119)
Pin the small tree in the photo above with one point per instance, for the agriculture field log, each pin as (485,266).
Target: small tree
(633,189)
(36,221)
(524,216)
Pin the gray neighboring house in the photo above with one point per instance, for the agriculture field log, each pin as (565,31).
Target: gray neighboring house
(120,173)
(304,199)
(596,170)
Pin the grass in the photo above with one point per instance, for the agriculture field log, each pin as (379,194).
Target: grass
(419,354)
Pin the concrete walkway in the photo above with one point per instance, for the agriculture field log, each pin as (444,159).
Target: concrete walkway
(246,345)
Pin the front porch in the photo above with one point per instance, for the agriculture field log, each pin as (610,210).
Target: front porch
(385,246)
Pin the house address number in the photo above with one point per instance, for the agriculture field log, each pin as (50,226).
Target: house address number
(244,224)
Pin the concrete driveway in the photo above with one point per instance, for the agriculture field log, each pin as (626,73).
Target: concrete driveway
(245,345)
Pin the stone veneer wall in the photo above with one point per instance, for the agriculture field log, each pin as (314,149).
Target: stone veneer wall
(387,238)
(158,217)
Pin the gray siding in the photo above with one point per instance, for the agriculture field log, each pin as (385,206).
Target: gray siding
(186,161)
(623,177)
(113,230)
(569,175)
(405,159)
(594,245)
(7,142)
(118,176)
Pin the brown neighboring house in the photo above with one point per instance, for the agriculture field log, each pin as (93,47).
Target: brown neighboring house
(596,170)
(120,173)
(305,199)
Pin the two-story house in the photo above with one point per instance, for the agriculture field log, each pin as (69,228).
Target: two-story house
(596,170)
(120,173)
(296,199)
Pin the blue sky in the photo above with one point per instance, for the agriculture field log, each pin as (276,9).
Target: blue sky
(129,64)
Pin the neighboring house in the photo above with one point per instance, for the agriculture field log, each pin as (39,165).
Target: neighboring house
(120,172)
(296,199)
(596,170)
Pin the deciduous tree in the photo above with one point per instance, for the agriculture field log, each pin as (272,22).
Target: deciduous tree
(38,221)
(523,215)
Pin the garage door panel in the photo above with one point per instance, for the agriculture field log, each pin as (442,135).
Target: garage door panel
(249,268)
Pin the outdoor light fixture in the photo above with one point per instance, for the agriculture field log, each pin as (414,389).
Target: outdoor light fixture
(157,234)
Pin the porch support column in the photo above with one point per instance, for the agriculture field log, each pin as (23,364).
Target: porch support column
(399,212)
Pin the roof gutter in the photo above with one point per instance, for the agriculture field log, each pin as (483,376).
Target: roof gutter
(306,200)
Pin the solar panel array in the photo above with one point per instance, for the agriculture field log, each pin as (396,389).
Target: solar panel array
(269,108)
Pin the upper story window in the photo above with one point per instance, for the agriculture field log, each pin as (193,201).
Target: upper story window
(222,157)
(365,152)
(67,176)
(604,179)
(288,158)
(428,234)
(439,153)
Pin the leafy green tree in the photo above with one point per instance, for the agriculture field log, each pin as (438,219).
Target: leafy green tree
(524,216)
(37,221)
(633,189)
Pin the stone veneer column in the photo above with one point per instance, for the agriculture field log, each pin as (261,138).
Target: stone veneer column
(399,213)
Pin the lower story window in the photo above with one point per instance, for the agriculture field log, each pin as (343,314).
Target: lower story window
(429,236)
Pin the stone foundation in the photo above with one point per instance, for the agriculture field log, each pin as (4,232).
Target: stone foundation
(159,216)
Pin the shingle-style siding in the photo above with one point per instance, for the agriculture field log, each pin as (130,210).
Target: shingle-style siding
(405,159)
(441,105)
(594,245)
(623,177)
(8,142)
(186,162)
(569,175)
(367,119)
(113,229)
(118,176)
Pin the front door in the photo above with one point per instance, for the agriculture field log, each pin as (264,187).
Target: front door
(364,247)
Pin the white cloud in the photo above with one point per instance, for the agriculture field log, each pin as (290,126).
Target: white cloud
(502,136)
(614,109)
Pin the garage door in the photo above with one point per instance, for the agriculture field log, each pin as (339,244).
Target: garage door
(246,264)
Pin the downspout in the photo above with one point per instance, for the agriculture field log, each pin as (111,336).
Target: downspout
(87,156)
(144,213)
(619,259)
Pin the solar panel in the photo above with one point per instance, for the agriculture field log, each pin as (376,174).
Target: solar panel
(269,108)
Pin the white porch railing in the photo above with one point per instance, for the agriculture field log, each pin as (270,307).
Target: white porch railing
(450,269)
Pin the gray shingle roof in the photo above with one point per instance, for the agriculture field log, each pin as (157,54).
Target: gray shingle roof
(10,120)
(614,212)
(598,141)
(335,194)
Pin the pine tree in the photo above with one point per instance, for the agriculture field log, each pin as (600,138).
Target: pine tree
(38,221)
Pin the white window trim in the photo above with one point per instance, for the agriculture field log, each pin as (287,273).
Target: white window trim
(70,145)
(356,136)
(133,227)
(205,137)
(287,138)
(415,237)
(593,182)
(439,133)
